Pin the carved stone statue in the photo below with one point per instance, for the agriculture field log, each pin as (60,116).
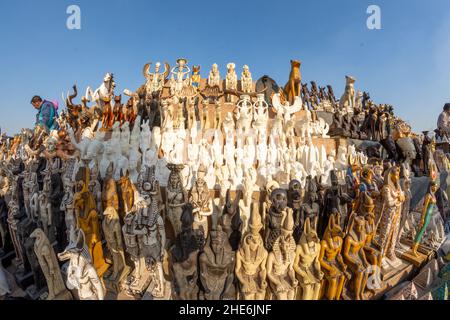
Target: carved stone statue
(230,220)
(246,80)
(113,236)
(201,200)
(275,219)
(251,260)
(50,267)
(184,258)
(176,197)
(307,265)
(217,264)
(347,101)
(280,263)
(81,274)
(231,81)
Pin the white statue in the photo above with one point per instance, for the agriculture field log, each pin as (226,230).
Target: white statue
(146,135)
(285,109)
(134,160)
(246,80)
(125,139)
(347,102)
(106,90)
(155,81)
(231,80)
(244,114)
(214,76)
(181,72)
(260,113)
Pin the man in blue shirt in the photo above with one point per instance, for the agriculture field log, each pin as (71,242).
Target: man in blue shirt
(47,114)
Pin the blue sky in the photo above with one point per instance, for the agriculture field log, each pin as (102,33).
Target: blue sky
(406,64)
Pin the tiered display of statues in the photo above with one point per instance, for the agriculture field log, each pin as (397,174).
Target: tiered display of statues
(218,189)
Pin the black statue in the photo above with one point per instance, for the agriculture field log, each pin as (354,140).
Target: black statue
(295,202)
(231,219)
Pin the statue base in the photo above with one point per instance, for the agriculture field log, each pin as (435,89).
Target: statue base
(391,277)
(137,288)
(425,250)
(417,260)
(24,280)
(34,294)
(63,296)
(167,292)
(114,285)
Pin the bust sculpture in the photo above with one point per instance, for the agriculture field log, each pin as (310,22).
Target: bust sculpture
(251,260)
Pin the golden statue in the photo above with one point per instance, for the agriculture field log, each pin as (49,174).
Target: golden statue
(307,265)
(331,261)
(354,255)
(88,221)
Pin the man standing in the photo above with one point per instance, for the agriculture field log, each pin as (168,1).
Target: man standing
(444,120)
(47,114)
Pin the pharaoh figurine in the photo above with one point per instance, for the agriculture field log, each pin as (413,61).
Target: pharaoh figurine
(81,274)
(217,264)
(310,208)
(231,81)
(276,216)
(246,80)
(50,267)
(184,258)
(260,113)
(427,213)
(307,266)
(132,247)
(95,188)
(295,202)
(251,260)
(113,236)
(280,263)
(230,220)
(331,260)
(244,115)
(45,210)
(200,198)
(354,255)
(88,221)
(389,225)
(373,256)
(176,198)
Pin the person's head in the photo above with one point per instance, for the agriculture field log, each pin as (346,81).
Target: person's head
(36,101)
(447,107)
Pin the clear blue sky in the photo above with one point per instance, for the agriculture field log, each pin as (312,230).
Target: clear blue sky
(406,64)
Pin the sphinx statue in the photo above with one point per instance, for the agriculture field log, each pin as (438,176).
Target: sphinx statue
(251,260)
(217,264)
(307,266)
(280,263)
(49,265)
(81,274)
(331,260)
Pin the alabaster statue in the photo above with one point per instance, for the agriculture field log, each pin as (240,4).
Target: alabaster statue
(231,81)
(331,260)
(393,198)
(50,267)
(347,101)
(354,255)
(307,266)
(184,258)
(246,80)
(280,263)
(81,274)
(217,264)
(176,197)
(251,260)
